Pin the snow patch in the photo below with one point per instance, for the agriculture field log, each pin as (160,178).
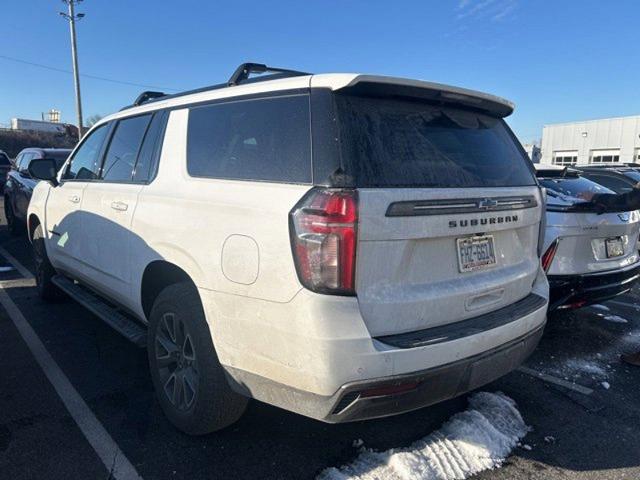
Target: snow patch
(597,306)
(477,439)
(615,319)
(605,385)
(585,366)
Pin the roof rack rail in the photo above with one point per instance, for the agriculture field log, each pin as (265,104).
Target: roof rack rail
(146,96)
(243,72)
(241,75)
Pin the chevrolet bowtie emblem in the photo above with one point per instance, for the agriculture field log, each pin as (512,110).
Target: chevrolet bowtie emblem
(487,203)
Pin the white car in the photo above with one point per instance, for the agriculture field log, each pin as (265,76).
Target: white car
(342,246)
(588,257)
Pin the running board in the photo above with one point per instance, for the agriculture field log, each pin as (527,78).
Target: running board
(122,323)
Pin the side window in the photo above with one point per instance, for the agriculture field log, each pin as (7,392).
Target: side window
(150,150)
(123,149)
(86,160)
(4,160)
(266,139)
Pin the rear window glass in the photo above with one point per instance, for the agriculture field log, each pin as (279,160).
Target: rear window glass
(402,143)
(619,184)
(572,186)
(264,139)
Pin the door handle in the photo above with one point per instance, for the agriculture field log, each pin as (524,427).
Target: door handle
(119,206)
(74,199)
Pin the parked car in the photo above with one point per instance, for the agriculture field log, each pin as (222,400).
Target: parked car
(19,184)
(588,257)
(619,178)
(393,265)
(5,167)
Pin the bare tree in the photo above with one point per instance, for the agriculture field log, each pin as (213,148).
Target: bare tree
(92,120)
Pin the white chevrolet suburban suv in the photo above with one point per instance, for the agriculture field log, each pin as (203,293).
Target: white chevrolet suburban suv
(342,246)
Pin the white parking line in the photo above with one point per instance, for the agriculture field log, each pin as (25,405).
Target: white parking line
(624,304)
(555,380)
(105,447)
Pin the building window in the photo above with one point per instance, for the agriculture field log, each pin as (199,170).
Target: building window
(565,159)
(605,156)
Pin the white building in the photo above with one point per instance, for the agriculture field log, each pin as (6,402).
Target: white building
(593,141)
(533,151)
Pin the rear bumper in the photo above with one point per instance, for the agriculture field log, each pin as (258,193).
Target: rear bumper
(568,291)
(354,402)
(401,391)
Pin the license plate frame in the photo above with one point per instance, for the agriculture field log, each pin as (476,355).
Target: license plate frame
(468,248)
(614,247)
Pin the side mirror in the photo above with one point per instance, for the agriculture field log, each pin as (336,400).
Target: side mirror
(44,169)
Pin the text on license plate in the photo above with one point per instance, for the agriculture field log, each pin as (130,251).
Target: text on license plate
(614,247)
(476,253)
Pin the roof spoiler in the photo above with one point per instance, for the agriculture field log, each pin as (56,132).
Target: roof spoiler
(402,87)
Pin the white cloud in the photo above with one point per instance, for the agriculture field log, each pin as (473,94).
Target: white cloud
(496,10)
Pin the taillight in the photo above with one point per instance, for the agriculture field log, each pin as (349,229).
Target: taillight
(323,239)
(543,220)
(547,258)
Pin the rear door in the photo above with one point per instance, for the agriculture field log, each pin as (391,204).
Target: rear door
(110,202)
(449,212)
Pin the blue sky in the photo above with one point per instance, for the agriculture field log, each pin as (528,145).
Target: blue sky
(557,60)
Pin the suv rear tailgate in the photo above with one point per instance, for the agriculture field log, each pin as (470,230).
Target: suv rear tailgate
(408,273)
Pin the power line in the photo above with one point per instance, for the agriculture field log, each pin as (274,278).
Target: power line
(95,77)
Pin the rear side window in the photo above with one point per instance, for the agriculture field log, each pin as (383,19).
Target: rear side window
(150,149)
(123,149)
(86,160)
(403,143)
(266,139)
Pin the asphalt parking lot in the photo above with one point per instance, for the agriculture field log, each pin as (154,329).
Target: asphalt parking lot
(575,434)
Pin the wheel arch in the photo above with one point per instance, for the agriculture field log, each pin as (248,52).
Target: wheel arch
(32,222)
(158,275)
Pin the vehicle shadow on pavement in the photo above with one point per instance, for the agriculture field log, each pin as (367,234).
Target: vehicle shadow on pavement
(112,376)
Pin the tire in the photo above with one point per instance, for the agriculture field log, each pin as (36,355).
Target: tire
(13,225)
(47,290)
(189,381)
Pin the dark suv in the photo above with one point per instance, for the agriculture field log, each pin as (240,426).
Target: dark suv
(19,184)
(5,166)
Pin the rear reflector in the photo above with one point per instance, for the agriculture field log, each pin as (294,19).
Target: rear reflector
(387,390)
(573,306)
(547,258)
(323,239)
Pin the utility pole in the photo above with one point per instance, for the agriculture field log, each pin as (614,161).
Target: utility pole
(72,17)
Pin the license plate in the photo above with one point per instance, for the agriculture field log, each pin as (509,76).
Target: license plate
(476,253)
(614,247)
